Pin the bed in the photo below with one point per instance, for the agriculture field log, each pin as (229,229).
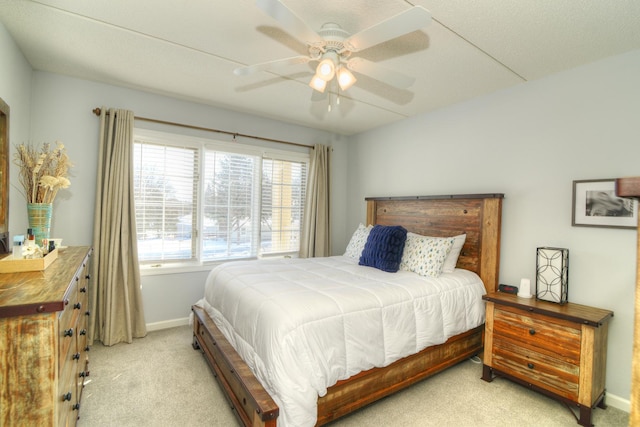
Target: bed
(478,216)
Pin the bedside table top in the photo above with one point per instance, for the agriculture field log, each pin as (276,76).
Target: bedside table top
(573,312)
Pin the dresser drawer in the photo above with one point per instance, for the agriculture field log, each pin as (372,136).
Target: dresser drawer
(67,337)
(82,326)
(539,368)
(553,337)
(67,394)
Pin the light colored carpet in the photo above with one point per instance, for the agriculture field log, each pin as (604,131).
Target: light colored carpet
(160,380)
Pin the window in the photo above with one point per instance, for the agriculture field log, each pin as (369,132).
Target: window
(201,201)
(283,193)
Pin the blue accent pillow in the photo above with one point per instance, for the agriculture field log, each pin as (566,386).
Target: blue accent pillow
(384,248)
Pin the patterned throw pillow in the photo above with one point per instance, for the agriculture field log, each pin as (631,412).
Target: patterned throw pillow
(425,255)
(384,248)
(357,242)
(452,259)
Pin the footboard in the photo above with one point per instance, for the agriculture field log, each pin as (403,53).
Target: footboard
(249,400)
(366,387)
(254,407)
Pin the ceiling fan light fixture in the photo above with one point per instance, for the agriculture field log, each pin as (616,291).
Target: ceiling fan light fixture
(345,78)
(326,69)
(318,83)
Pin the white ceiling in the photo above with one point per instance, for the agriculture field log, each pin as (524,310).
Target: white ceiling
(188,49)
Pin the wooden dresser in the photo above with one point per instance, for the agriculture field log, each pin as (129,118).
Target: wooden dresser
(559,350)
(43,341)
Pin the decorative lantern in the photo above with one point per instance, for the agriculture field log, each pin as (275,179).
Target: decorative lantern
(552,274)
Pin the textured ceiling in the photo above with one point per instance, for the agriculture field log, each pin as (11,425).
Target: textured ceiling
(188,49)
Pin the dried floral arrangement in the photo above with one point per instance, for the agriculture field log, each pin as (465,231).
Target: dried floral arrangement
(43,170)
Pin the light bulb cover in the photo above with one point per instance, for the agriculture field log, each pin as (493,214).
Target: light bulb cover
(345,78)
(318,83)
(326,69)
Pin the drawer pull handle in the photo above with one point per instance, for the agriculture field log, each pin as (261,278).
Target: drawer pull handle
(76,407)
(77,306)
(68,332)
(76,356)
(83,289)
(83,332)
(530,365)
(66,397)
(532,331)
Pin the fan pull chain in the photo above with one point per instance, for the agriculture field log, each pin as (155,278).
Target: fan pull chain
(337,100)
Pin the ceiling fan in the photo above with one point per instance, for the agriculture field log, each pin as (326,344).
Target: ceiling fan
(332,47)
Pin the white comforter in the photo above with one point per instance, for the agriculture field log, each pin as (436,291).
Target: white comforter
(303,324)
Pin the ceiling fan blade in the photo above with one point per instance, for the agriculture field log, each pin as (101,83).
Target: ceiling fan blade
(398,25)
(290,22)
(271,65)
(318,96)
(385,75)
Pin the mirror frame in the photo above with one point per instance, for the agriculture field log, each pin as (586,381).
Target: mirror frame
(4,176)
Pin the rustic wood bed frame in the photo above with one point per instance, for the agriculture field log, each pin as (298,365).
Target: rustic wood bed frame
(477,215)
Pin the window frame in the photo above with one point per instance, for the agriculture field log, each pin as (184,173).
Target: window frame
(203,144)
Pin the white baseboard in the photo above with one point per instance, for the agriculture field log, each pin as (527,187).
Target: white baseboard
(618,402)
(166,324)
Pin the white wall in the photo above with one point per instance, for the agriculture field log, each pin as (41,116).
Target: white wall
(529,142)
(15,90)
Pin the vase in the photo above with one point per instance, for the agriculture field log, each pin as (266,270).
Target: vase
(39,220)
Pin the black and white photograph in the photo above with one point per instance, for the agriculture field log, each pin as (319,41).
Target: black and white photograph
(595,204)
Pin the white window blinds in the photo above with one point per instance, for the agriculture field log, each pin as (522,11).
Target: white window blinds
(200,201)
(231,205)
(283,193)
(165,190)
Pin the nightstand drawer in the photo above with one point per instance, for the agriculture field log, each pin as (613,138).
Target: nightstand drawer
(553,337)
(539,368)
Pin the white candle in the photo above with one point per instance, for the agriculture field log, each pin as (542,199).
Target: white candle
(525,289)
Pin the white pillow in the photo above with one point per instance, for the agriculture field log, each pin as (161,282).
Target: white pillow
(452,259)
(357,242)
(425,255)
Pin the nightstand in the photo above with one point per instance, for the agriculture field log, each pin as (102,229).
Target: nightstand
(558,350)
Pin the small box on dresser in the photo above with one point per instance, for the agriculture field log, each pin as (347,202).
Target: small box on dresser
(43,341)
(556,349)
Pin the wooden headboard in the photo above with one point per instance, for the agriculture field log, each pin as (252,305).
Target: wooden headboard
(477,215)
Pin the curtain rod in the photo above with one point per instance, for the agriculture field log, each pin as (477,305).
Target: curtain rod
(98,110)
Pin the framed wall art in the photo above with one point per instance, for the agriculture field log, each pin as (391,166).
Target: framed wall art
(595,204)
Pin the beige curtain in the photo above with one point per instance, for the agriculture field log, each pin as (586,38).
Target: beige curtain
(315,239)
(116,298)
